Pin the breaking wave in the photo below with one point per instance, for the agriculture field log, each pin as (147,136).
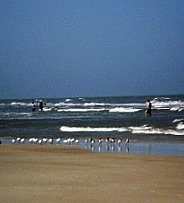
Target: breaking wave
(90,129)
(125,110)
(81,110)
(134,130)
(180,126)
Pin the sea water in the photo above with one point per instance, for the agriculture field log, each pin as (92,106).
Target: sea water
(96,117)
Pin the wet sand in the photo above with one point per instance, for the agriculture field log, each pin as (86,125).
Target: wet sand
(31,173)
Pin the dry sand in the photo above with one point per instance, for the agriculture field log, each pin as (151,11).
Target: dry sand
(67,174)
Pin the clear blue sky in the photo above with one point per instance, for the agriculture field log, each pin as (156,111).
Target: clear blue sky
(75,48)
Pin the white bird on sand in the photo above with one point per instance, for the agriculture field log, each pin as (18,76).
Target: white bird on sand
(100,140)
(58,139)
(65,141)
(120,141)
(112,140)
(51,140)
(77,141)
(72,140)
(31,140)
(35,140)
(22,140)
(107,140)
(18,139)
(13,141)
(44,140)
(92,141)
(40,141)
(127,140)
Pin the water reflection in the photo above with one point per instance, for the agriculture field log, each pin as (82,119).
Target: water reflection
(106,147)
(173,149)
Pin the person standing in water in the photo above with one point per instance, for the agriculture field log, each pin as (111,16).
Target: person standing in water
(148,109)
(33,107)
(41,106)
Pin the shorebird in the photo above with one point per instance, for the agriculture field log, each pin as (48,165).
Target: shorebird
(58,140)
(22,140)
(51,140)
(13,141)
(120,141)
(112,140)
(18,139)
(65,141)
(92,141)
(107,140)
(31,140)
(72,140)
(100,140)
(77,141)
(127,140)
(35,140)
(44,140)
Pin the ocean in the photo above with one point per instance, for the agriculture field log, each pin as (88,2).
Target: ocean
(96,118)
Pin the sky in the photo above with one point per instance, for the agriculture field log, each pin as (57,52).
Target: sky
(89,48)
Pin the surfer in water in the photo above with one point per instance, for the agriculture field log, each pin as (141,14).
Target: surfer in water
(148,109)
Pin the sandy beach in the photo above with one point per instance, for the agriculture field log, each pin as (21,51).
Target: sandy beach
(67,174)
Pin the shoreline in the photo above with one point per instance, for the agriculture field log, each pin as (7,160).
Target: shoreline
(68,174)
(132,147)
(132,140)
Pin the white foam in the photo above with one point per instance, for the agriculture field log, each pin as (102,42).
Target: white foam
(90,129)
(47,109)
(180,126)
(150,130)
(164,98)
(135,130)
(174,109)
(181,109)
(20,104)
(81,110)
(97,104)
(167,104)
(132,104)
(124,110)
(17,114)
(178,120)
(68,100)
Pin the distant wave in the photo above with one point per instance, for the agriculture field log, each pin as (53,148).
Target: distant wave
(180,126)
(90,129)
(97,104)
(20,104)
(178,120)
(125,110)
(47,109)
(81,110)
(168,103)
(162,98)
(135,130)
(164,104)
(150,130)
(68,100)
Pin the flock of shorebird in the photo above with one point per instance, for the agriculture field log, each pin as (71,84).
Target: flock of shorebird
(51,140)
